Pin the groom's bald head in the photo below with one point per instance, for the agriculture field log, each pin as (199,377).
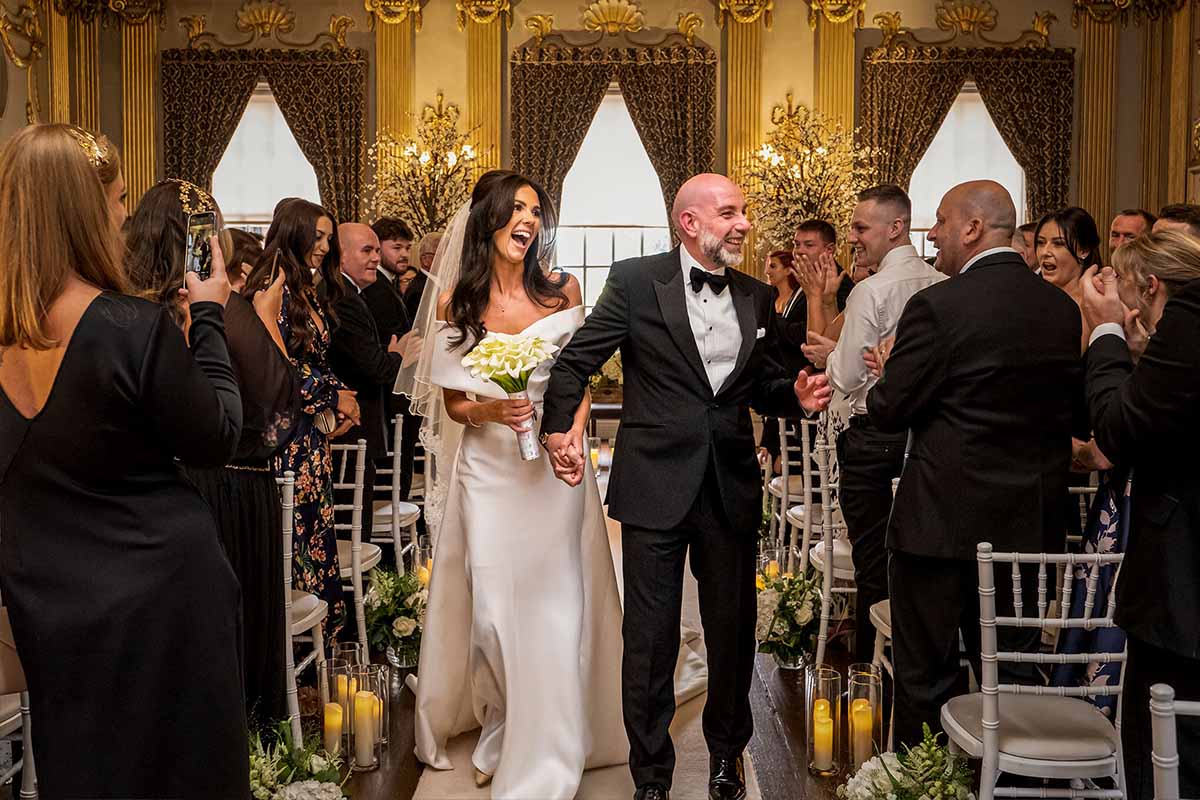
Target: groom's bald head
(709,214)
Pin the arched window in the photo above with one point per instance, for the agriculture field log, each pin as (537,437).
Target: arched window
(612,203)
(261,166)
(967,147)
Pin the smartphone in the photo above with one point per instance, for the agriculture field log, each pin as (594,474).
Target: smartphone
(197,257)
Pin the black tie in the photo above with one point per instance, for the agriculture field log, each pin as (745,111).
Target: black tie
(715,282)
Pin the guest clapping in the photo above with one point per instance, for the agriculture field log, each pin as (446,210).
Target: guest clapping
(301,241)
(123,607)
(241,494)
(818,319)
(1144,419)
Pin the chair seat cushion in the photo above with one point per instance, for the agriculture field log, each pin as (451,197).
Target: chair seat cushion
(795,485)
(381,518)
(370,554)
(842,562)
(1045,728)
(795,516)
(10,713)
(307,611)
(881,617)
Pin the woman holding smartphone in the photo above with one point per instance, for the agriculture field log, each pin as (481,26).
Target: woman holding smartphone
(242,494)
(302,243)
(123,607)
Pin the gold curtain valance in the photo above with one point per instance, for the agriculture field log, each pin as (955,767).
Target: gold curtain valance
(553,54)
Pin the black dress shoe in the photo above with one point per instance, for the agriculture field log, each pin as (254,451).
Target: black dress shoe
(726,779)
(651,791)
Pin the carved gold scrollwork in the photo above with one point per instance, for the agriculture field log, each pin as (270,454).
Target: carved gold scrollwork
(24,43)
(393,12)
(130,12)
(1196,139)
(837,11)
(540,25)
(483,12)
(971,19)
(1122,11)
(689,24)
(745,11)
(613,17)
(266,19)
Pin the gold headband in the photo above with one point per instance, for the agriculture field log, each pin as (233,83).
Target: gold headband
(194,199)
(97,155)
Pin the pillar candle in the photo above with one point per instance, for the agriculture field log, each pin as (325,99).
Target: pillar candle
(379,718)
(823,742)
(333,728)
(821,708)
(861,723)
(364,728)
(772,569)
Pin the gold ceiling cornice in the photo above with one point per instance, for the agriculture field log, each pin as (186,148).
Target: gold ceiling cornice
(969,20)
(393,12)
(837,12)
(265,19)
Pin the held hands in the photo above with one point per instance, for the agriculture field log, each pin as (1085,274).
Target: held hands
(214,290)
(812,391)
(566,456)
(818,349)
(876,357)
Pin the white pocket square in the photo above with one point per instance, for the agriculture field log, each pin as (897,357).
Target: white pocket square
(760,333)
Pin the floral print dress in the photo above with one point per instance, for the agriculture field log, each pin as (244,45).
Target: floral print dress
(315,566)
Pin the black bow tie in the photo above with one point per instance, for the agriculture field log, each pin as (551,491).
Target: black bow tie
(715,282)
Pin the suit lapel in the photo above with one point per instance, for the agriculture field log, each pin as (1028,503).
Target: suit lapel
(743,304)
(669,287)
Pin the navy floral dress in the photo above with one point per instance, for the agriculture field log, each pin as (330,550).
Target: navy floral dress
(315,566)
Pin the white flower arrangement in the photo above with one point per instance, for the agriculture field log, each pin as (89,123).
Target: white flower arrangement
(786,623)
(396,611)
(289,770)
(928,771)
(508,360)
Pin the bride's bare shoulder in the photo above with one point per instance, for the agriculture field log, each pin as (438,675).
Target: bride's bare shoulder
(571,288)
(443,305)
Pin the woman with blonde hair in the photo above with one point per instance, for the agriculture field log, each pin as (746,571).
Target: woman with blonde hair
(1150,270)
(123,606)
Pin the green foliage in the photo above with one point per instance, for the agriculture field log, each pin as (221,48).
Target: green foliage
(284,762)
(395,610)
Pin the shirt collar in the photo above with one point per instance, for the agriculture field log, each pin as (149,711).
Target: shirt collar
(688,262)
(985,254)
(386,274)
(350,281)
(903,252)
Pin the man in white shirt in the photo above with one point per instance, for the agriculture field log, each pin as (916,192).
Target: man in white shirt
(868,459)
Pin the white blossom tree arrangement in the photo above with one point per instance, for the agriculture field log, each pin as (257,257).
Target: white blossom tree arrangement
(809,167)
(423,178)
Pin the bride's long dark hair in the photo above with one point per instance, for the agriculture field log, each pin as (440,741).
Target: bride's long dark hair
(491,210)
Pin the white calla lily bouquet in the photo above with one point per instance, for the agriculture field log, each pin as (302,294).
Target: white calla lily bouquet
(508,360)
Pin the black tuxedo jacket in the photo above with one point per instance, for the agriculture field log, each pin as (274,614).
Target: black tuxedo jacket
(366,366)
(388,309)
(793,328)
(1143,418)
(672,424)
(987,376)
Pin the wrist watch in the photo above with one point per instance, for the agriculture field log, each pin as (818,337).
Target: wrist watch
(543,439)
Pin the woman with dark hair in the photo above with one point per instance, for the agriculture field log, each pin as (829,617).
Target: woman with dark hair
(247,248)
(523,624)
(1066,243)
(302,245)
(241,494)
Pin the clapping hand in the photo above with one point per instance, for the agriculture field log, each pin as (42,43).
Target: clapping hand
(813,392)
(876,357)
(1101,302)
(818,349)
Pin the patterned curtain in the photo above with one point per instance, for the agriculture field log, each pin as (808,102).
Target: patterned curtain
(321,93)
(323,97)
(906,94)
(555,94)
(1030,94)
(671,93)
(204,96)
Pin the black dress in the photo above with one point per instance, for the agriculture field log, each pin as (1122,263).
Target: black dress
(123,606)
(245,503)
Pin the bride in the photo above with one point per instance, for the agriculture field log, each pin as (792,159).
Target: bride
(523,625)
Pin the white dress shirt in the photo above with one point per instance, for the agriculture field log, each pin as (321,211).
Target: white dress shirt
(985,254)
(872,313)
(714,323)
(1104,329)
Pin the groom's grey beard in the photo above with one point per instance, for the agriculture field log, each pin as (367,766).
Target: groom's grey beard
(713,248)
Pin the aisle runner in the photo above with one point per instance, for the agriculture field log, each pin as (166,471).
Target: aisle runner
(609,783)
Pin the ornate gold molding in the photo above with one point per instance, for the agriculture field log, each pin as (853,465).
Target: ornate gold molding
(265,19)
(1122,11)
(129,12)
(24,43)
(540,25)
(969,19)
(688,25)
(745,12)
(393,12)
(837,11)
(613,17)
(483,12)
(1196,140)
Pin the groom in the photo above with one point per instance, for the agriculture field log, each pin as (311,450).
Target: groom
(698,347)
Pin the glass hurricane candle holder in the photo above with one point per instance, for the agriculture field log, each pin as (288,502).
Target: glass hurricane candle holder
(383,688)
(771,563)
(864,696)
(340,687)
(348,652)
(824,712)
(423,559)
(364,722)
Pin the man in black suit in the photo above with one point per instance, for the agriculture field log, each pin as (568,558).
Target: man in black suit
(355,350)
(986,377)
(1144,419)
(698,344)
(815,241)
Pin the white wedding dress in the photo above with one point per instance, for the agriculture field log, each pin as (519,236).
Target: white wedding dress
(523,626)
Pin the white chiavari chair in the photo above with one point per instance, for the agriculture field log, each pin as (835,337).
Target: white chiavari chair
(14,717)
(830,556)
(1040,731)
(392,516)
(802,519)
(305,613)
(1084,495)
(786,488)
(355,557)
(1165,754)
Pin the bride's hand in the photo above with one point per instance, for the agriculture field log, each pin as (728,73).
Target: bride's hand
(513,413)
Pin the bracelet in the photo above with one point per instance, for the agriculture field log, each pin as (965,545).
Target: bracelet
(470,421)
